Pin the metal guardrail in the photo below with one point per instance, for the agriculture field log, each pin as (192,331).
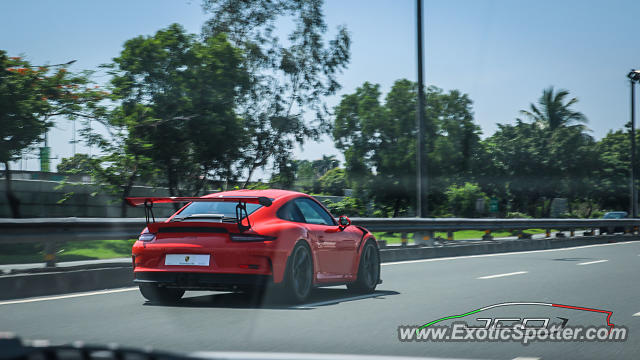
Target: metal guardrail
(455,224)
(52,231)
(69,229)
(75,229)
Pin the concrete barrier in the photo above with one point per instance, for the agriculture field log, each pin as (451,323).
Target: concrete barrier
(63,282)
(415,253)
(89,278)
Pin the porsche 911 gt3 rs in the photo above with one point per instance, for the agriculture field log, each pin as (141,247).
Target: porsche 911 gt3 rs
(248,240)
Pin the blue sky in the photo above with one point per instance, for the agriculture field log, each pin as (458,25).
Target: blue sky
(502,53)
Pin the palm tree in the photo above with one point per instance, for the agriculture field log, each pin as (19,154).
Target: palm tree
(553,112)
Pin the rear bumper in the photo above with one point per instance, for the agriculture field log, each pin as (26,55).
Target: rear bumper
(255,260)
(204,281)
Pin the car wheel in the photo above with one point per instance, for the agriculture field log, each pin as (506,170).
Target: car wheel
(299,276)
(157,294)
(368,270)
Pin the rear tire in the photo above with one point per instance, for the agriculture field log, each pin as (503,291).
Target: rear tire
(161,295)
(368,270)
(298,280)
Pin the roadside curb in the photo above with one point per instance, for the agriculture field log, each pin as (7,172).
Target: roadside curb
(89,278)
(417,253)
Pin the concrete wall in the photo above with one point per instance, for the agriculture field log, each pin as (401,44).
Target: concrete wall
(44,199)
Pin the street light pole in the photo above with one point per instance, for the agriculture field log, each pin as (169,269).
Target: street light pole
(634,76)
(633,150)
(421,154)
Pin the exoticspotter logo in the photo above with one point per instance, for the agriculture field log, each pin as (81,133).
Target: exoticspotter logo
(524,329)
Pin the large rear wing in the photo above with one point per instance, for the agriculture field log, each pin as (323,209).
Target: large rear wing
(136,201)
(240,208)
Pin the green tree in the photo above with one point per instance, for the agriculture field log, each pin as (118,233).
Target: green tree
(355,122)
(610,185)
(378,142)
(530,165)
(348,206)
(518,167)
(333,182)
(126,154)
(553,112)
(556,154)
(308,173)
(288,80)
(321,166)
(77,164)
(30,98)
(461,200)
(306,177)
(285,175)
(188,90)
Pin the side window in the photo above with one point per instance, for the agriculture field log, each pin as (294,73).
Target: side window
(290,212)
(314,213)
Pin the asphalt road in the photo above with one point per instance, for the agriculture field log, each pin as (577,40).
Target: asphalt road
(413,293)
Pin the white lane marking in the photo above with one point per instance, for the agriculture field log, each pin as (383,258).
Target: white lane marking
(501,254)
(502,275)
(526,358)
(592,262)
(335,301)
(58,297)
(636,314)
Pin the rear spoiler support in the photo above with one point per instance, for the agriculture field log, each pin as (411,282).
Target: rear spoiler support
(240,208)
(148,211)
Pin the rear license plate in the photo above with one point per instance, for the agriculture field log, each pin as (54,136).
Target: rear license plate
(187,259)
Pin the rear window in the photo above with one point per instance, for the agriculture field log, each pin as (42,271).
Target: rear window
(226,209)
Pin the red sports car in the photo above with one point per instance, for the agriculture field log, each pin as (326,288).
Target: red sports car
(247,240)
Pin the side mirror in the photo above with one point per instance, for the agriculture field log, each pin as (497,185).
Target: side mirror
(343,222)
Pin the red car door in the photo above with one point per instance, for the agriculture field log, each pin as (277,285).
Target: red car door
(347,250)
(336,249)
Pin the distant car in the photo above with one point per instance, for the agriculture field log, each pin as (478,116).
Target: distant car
(248,240)
(613,215)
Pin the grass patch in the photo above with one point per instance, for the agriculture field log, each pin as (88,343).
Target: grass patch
(395,238)
(70,251)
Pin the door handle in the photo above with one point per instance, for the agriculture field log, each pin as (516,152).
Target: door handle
(321,238)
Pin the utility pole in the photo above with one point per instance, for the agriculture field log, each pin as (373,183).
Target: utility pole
(634,200)
(634,76)
(422,208)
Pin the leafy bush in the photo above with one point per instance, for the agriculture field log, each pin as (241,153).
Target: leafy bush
(517,215)
(462,199)
(348,206)
(333,182)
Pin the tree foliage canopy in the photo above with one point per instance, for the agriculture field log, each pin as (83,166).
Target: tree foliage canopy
(288,79)
(378,141)
(177,96)
(31,97)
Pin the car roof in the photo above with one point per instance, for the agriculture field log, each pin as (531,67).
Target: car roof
(270,193)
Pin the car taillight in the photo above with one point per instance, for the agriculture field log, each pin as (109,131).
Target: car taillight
(251,237)
(147,237)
